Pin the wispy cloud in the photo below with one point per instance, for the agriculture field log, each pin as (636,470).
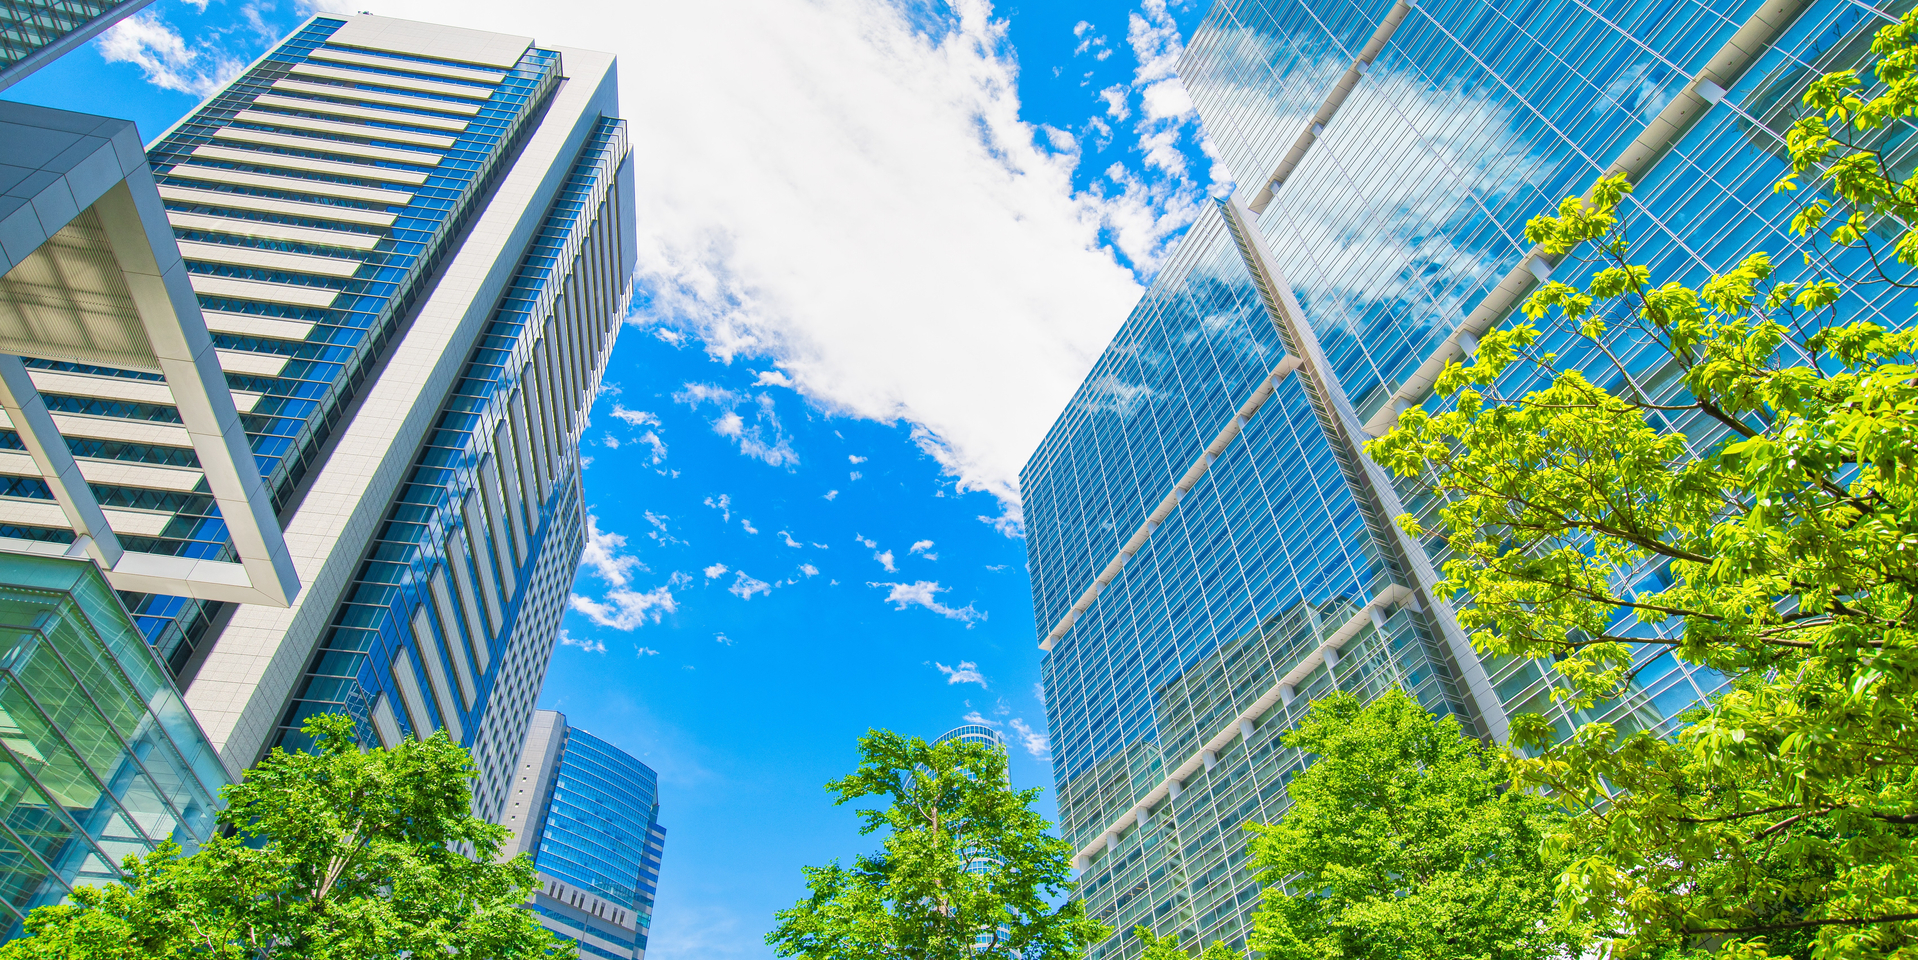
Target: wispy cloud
(796,545)
(637,418)
(762,439)
(747,525)
(885,560)
(587,644)
(809,570)
(1035,742)
(604,554)
(856,459)
(644,652)
(965,672)
(745,585)
(723,504)
(716,571)
(148,42)
(625,609)
(925,593)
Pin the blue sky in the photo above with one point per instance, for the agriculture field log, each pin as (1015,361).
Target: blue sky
(880,245)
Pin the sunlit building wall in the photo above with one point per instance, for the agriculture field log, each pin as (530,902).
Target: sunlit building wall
(1210,549)
(411,245)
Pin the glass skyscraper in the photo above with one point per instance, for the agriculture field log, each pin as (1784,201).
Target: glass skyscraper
(588,813)
(99,756)
(34,32)
(1210,549)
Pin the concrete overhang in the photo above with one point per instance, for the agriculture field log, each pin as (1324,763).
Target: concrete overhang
(93,276)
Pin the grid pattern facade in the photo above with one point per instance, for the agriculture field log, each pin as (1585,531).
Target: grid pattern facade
(100,758)
(1393,153)
(452,616)
(28,27)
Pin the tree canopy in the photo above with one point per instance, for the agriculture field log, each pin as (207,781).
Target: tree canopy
(967,870)
(1402,843)
(1725,474)
(338,854)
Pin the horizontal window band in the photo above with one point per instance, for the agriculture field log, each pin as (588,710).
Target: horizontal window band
(323,188)
(239,227)
(375,96)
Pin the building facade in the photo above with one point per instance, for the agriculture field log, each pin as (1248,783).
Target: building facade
(1210,548)
(412,248)
(100,756)
(35,32)
(588,815)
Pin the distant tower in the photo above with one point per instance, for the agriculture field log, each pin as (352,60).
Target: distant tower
(589,814)
(34,33)
(974,733)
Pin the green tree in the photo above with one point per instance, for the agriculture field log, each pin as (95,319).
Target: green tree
(1402,842)
(968,870)
(339,854)
(1746,503)
(1167,948)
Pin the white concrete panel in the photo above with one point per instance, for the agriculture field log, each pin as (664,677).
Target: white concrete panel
(290,208)
(263,292)
(428,647)
(252,364)
(121,473)
(335,55)
(424,631)
(318,125)
(267,259)
(130,431)
(283,161)
(410,695)
(459,44)
(376,96)
(137,523)
(106,388)
(367,150)
(336,109)
(247,325)
(34,513)
(318,188)
(234,226)
(352,75)
(384,723)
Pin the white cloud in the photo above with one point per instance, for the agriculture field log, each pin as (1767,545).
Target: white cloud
(855,459)
(587,644)
(747,525)
(1039,692)
(723,504)
(796,545)
(149,43)
(809,570)
(995,567)
(919,546)
(722,638)
(885,560)
(660,531)
(1115,97)
(856,475)
(637,418)
(643,652)
(866,542)
(965,672)
(763,439)
(651,439)
(744,586)
(925,593)
(831,494)
(1034,741)
(715,571)
(625,609)
(604,556)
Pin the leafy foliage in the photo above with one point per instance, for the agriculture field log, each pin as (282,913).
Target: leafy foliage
(1403,843)
(968,870)
(1747,504)
(340,854)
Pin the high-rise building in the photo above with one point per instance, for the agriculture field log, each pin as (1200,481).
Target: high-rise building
(100,757)
(35,32)
(1210,548)
(588,813)
(308,383)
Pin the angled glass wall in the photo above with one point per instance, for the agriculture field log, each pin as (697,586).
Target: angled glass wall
(99,756)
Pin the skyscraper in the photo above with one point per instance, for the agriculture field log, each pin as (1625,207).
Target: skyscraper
(1210,548)
(404,250)
(35,32)
(589,815)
